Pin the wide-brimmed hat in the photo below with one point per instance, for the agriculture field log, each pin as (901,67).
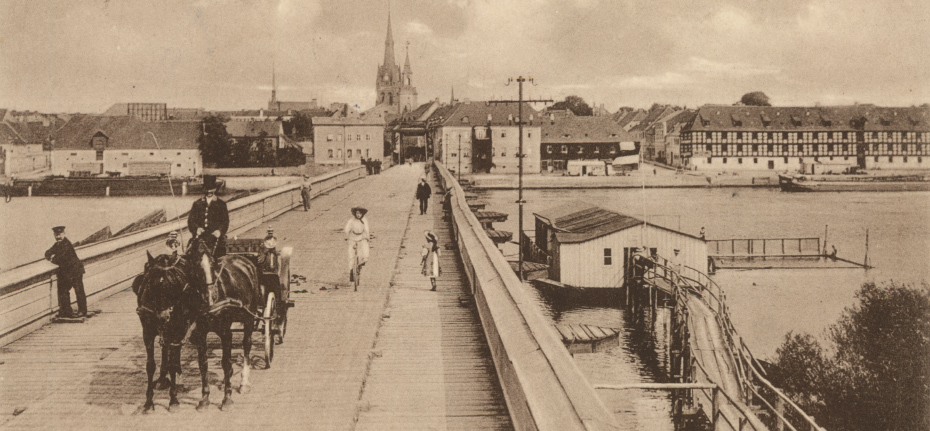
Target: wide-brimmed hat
(362,210)
(431,237)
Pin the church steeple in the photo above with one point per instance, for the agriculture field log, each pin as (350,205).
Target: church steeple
(389,45)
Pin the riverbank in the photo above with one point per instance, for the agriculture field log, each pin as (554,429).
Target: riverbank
(651,178)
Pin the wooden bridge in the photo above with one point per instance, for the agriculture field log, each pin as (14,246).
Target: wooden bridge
(391,356)
(716,376)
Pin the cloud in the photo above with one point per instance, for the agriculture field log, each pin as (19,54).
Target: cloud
(656,82)
(705,66)
(418,28)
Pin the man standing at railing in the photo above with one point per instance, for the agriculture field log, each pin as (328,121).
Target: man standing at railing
(305,186)
(70,274)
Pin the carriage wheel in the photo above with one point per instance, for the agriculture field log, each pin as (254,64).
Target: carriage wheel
(269,315)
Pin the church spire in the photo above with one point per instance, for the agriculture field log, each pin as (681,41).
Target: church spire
(274,95)
(452,98)
(407,60)
(389,45)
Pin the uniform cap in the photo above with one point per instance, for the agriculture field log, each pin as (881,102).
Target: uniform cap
(58,229)
(173,235)
(270,229)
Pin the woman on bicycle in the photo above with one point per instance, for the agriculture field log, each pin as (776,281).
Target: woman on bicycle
(357,234)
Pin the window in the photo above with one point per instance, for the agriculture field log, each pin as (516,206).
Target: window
(329,137)
(723,148)
(503,134)
(770,148)
(339,154)
(829,147)
(529,134)
(709,161)
(755,147)
(739,160)
(786,160)
(367,153)
(126,154)
(504,153)
(179,165)
(349,137)
(607,257)
(349,152)
(755,160)
(179,153)
(739,148)
(905,159)
(338,137)
(580,150)
(329,153)
(708,147)
(724,160)
(367,137)
(73,154)
(548,149)
(358,136)
(151,154)
(708,135)
(99,154)
(564,149)
(920,160)
(876,158)
(890,159)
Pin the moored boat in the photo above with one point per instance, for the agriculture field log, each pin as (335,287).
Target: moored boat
(859,183)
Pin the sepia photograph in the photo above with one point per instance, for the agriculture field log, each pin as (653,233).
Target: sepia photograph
(366,215)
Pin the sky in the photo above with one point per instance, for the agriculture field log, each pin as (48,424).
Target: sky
(83,56)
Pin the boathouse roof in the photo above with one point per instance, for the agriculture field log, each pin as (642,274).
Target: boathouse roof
(579,221)
(127,133)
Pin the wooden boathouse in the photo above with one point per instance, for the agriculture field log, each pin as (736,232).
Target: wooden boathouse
(588,246)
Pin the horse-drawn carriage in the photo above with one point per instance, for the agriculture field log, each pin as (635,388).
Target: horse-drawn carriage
(274,278)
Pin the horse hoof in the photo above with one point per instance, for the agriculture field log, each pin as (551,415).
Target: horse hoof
(173,403)
(244,389)
(148,408)
(227,404)
(203,404)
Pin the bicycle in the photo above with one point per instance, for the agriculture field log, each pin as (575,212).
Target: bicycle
(356,269)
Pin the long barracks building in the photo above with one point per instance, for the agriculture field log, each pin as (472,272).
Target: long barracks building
(807,139)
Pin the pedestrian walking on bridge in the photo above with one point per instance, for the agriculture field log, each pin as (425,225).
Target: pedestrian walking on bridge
(423,193)
(70,274)
(430,262)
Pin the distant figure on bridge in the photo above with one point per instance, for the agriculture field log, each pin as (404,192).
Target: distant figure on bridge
(702,232)
(305,186)
(833,253)
(70,274)
(423,193)
(430,262)
(209,218)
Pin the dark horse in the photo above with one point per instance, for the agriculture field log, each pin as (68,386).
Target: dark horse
(230,293)
(163,296)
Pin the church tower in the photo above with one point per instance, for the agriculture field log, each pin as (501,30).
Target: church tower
(394,89)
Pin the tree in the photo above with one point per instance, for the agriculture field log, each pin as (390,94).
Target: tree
(755,98)
(575,104)
(214,143)
(878,376)
(299,126)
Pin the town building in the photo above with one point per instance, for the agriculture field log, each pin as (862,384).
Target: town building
(643,133)
(346,140)
(408,132)
(663,137)
(126,145)
(588,246)
(484,137)
(25,142)
(394,88)
(568,137)
(807,139)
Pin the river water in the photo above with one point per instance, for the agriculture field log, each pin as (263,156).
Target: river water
(765,304)
(27,221)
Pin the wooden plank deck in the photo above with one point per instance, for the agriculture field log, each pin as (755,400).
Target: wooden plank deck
(431,367)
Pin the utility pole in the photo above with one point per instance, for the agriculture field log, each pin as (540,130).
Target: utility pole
(520,80)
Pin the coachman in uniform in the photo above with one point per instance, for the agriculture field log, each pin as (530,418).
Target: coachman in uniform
(209,218)
(70,274)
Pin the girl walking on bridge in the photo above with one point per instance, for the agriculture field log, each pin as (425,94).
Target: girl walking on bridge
(430,260)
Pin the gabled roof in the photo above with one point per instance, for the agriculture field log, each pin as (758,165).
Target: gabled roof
(467,114)
(372,119)
(254,128)
(125,132)
(817,118)
(579,221)
(8,135)
(36,132)
(572,129)
(654,114)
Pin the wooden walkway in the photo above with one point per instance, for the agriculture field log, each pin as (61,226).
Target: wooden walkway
(91,376)
(432,369)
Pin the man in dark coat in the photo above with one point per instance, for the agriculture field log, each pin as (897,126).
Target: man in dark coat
(209,218)
(70,274)
(423,192)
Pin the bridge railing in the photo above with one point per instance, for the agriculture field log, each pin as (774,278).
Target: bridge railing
(28,293)
(543,386)
(754,387)
(748,247)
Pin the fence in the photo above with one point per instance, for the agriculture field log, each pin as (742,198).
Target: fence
(28,294)
(764,247)
(543,386)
